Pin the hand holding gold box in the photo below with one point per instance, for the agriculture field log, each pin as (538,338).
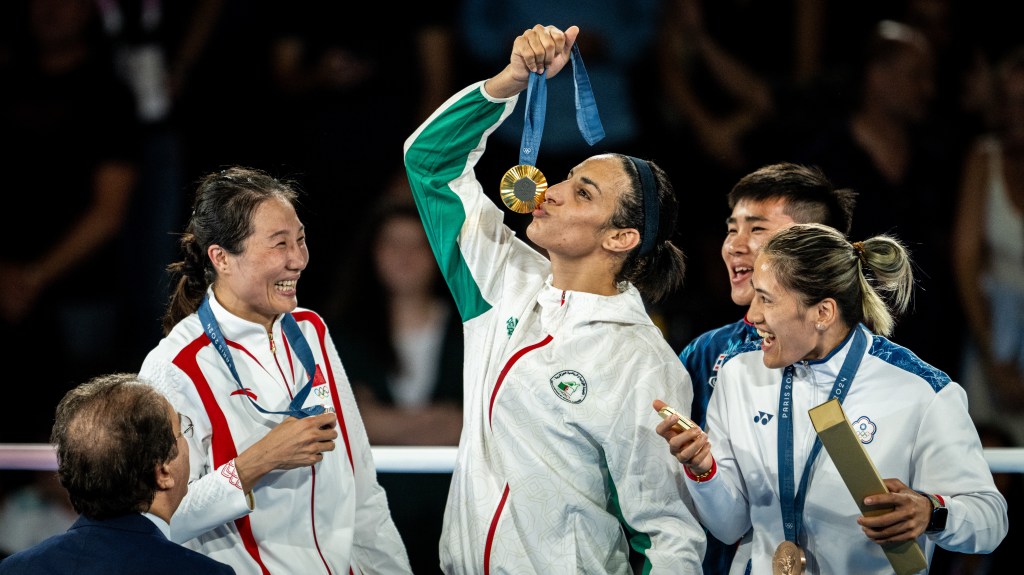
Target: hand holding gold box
(861,478)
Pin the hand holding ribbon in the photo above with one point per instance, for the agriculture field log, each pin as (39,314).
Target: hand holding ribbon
(523,186)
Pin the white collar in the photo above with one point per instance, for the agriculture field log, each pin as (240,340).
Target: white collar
(160,523)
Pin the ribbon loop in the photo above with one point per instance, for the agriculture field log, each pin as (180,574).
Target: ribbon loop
(523,186)
(298,343)
(587,118)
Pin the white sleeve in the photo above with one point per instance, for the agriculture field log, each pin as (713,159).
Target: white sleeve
(721,501)
(376,546)
(214,496)
(948,461)
(654,505)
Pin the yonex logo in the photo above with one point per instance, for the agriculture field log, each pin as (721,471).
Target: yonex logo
(763,418)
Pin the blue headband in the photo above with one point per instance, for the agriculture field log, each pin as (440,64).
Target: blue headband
(649,234)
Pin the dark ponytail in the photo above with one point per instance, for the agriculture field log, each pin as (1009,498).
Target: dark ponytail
(655,266)
(225,204)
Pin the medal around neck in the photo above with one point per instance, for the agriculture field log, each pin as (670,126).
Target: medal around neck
(522,188)
(789,559)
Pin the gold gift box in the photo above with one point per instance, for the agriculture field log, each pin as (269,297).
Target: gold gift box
(861,478)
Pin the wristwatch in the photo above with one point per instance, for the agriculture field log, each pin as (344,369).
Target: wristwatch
(939,513)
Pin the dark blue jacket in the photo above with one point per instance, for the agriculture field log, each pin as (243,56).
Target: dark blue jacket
(125,545)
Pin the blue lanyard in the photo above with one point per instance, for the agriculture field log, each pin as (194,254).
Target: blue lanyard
(793,504)
(298,343)
(587,117)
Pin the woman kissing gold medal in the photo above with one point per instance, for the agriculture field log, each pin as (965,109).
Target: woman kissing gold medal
(523,186)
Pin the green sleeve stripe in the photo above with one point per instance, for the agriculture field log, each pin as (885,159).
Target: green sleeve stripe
(436,157)
(640,542)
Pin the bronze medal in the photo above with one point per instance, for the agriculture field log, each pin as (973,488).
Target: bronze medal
(522,188)
(789,559)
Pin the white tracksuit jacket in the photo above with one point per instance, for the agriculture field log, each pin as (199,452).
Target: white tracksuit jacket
(325,518)
(558,449)
(911,419)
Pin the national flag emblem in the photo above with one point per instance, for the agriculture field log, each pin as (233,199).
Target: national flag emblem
(321,391)
(718,362)
(569,386)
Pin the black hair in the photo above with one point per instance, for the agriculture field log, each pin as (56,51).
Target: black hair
(662,270)
(222,214)
(809,195)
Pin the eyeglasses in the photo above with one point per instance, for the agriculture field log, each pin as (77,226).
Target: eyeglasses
(186,425)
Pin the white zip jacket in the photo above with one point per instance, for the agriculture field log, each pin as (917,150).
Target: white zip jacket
(326,518)
(558,453)
(910,417)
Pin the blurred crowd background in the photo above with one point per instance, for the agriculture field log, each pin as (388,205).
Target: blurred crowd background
(110,110)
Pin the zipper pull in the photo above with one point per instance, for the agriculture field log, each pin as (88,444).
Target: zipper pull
(273,347)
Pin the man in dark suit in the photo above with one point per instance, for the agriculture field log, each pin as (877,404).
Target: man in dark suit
(122,458)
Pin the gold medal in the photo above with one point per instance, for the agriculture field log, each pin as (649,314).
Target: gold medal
(789,559)
(522,188)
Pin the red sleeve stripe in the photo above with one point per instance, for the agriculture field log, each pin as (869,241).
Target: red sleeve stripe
(492,530)
(321,333)
(221,441)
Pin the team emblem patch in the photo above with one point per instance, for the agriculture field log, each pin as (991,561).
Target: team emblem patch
(510,325)
(322,391)
(569,386)
(865,429)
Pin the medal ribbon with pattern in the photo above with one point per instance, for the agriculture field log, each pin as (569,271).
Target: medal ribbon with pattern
(298,343)
(523,186)
(793,503)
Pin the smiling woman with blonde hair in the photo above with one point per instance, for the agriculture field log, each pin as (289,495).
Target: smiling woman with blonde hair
(819,309)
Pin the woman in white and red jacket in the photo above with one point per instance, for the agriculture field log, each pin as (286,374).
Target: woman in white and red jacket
(282,477)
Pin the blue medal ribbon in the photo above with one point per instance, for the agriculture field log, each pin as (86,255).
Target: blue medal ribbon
(793,503)
(298,344)
(587,117)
